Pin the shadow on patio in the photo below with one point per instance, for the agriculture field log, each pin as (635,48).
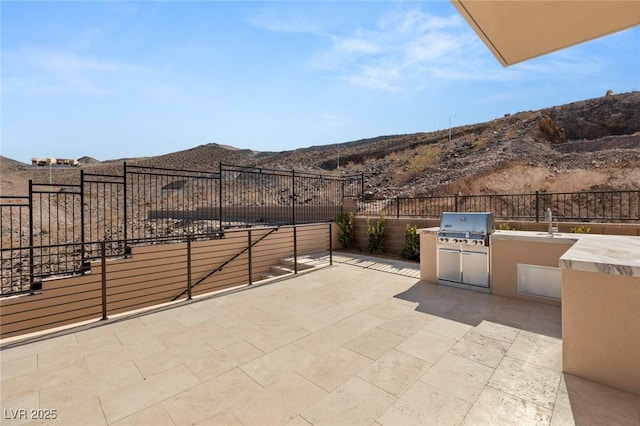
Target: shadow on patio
(348,344)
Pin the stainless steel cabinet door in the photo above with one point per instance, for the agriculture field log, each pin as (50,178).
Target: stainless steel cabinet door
(475,268)
(449,264)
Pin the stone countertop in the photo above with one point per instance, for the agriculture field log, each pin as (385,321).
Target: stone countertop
(537,236)
(606,254)
(433,230)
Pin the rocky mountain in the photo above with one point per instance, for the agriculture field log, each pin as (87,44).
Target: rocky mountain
(587,145)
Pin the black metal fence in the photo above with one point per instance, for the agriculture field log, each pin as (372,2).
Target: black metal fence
(590,206)
(57,229)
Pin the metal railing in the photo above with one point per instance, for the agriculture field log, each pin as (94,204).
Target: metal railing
(588,206)
(151,205)
(163,273)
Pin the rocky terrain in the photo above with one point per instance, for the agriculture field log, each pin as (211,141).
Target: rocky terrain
(587,145)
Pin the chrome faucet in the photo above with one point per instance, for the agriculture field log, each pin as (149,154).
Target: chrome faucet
(549,216)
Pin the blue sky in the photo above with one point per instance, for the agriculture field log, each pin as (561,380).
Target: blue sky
(128,79)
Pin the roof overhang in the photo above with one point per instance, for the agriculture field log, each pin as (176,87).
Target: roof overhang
(517,30)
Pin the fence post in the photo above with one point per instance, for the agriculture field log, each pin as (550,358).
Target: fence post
(330,243)
(31,236)
(250,242)
(82,218)
(188,267)
(362,185)
(124,198)
(293,198)
(455,202)
(397,207)
(220,194)
(103,261)
(295,249)
(537,206)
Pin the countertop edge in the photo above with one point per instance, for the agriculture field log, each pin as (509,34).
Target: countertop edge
(605,254)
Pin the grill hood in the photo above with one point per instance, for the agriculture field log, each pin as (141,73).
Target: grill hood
(477,223)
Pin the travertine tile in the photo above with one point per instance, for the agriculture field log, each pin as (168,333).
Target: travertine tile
(494,407)
(213,364)
(47,344)
(54,360)
(327,339)
(18,411)
(19,366)
(106,328)
(82,387)
(111,358)
(279,403)
(298,421)
(155,415)
(269,368)
(509,316)
(526,381)
(395,372)
(482,349)
(535,350)
(360,322)
(19,386)
(374,343)
(223,418)
(389,309)
(356,402)
(497,331)
(215,310)
(276,336)
(307,305)
(207,399)
(407,324)
(562,412)
(124,401)
(592,403)
(157,362)
(426,345)
(285,315)
(322,319)
(448,328)
(334,368)
(136,335)
(458,376)
(425,405)
(87,412)
(234,334)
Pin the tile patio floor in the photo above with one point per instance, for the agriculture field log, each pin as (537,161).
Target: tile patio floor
(349,344)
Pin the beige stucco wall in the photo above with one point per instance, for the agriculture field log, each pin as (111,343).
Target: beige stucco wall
(428,257)
(153,275)
(601,328)
(507,253)
(394,231)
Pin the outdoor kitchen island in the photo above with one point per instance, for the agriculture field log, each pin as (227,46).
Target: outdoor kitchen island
(599,294)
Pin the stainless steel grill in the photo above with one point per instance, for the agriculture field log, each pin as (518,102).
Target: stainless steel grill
(463,249)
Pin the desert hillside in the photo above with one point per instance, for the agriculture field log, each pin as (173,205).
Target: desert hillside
(587,145)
